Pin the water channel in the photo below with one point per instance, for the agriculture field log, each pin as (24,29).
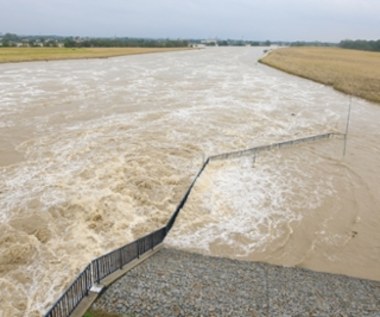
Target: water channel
(95,153)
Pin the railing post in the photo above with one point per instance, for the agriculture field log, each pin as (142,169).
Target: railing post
(121,258)
(98,272)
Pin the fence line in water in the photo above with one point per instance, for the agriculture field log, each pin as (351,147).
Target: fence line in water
(115,260)
(254,150)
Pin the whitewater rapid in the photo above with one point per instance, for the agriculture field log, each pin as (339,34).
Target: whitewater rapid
(96,153)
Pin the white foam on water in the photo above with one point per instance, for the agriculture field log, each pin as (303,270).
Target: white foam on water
(101,151)
(248,203)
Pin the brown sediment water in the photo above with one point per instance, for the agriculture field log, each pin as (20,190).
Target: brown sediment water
(302,206)
(97,153)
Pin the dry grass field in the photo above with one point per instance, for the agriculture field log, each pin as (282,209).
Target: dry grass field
(350,71)
(8,55)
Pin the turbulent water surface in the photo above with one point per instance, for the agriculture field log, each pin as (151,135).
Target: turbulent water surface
(96,153)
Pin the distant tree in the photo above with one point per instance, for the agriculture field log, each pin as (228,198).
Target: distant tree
(223,43)
(6,43)
(11,37)
(315,43)
(69,42)
(123,42)
(255,43)
(361,45)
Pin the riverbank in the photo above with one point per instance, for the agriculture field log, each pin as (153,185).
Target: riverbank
(14,55)
(353,72)
(177,283)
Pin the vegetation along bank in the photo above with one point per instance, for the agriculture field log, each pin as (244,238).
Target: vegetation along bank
(26,54)
(350,71)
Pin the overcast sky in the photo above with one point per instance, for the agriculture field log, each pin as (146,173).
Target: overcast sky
(289,20)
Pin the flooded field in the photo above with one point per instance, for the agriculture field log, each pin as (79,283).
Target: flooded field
(96,153)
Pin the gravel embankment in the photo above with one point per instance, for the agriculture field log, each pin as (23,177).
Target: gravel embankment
(177,283)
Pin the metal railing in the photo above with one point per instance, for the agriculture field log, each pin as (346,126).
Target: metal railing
(257,149)
(73,295)
(115,260)
(182,202)
(102,267)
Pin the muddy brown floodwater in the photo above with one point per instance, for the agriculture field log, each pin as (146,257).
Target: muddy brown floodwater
(96,153)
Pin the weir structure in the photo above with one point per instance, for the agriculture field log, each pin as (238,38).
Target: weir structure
(101,271)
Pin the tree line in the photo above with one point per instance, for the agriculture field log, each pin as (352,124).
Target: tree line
(123,42)
(11,40)
(361,45)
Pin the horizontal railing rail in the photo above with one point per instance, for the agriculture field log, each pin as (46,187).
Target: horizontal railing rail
(257,149)
(115,260)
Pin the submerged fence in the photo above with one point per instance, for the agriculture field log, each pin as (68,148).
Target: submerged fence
(273,146)
(115,260)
